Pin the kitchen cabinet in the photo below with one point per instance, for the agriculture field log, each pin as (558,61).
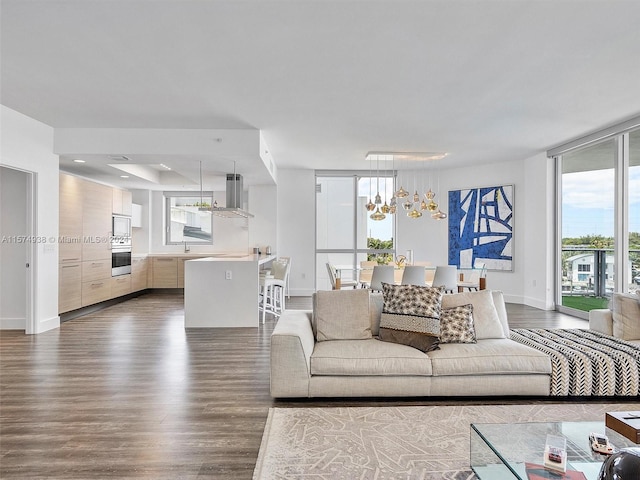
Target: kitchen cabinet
(70,221)
(121,201)
(139,267)
(96,221)
(120,285)
(96,291)
(96,270)
(84,262)
(181,271)
(69,286)
(164,272)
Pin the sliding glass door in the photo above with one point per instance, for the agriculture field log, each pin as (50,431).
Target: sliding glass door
(345,232)
(599,252)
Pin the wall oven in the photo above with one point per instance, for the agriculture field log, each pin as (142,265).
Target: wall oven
(120,260)
(120,245)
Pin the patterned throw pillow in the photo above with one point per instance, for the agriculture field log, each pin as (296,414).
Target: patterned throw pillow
(456,325)
(411,315)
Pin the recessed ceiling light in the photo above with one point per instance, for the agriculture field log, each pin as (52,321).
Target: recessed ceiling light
(164,166)
(77,160)
(124,176)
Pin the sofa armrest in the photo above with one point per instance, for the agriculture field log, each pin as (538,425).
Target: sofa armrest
(292,344)
(601,320)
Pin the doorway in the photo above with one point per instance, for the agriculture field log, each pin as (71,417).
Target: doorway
(16,249)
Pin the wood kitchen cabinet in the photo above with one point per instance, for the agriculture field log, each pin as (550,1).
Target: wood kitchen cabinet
(96,221)
(138,273)
(120,285)
(121,201)
(181,271)
(70,224)
(69,286)
(164,272)
(96,291)
(84,262)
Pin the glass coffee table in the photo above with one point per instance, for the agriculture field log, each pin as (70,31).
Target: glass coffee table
(500,450)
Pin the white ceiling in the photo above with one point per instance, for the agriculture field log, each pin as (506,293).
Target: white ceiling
(327,81)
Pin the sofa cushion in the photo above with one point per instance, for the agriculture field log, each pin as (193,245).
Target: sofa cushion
(485,316)
(375,311)
(367,357)
(487,357)
(456,325)
(342,315)
(626,316)
(410,315)
(501,308)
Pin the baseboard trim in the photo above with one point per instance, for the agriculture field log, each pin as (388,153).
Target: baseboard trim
(65,317)
(47,324)
(8,323)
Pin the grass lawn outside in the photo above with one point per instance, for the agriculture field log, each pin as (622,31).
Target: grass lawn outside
(585,303)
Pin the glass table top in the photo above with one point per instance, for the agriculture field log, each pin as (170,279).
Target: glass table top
(500,451)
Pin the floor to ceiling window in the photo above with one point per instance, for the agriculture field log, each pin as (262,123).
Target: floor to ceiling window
(599,208)
(345,232)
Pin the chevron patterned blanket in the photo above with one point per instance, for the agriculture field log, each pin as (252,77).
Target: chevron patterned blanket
(585,362)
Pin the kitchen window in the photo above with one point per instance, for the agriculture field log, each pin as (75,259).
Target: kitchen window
(188,218)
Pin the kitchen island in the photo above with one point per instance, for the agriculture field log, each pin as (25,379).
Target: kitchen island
(223,290)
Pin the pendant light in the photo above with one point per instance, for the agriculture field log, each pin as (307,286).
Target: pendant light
(201,207)
(385,208)
(370,206)
(378,215)
(402,193)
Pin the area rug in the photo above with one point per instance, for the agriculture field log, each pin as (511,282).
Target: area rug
(400,443)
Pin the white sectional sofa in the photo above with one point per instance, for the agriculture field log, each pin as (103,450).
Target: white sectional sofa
(302,365)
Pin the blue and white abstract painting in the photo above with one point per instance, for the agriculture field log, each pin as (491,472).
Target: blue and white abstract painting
(481,227)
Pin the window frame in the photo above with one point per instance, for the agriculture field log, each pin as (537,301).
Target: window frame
(204,195)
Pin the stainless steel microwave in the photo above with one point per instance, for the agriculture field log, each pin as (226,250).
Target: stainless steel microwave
(121,230)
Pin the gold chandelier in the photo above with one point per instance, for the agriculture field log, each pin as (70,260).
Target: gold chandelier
(414,205)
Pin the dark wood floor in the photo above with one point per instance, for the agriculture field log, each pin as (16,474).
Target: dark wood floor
(127,392)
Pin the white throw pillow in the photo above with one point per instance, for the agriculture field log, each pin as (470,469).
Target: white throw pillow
(626,316)
(343,315)
(485,316)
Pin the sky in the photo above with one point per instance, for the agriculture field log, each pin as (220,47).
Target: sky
(588,203)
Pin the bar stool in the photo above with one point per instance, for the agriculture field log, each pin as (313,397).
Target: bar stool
(273,291)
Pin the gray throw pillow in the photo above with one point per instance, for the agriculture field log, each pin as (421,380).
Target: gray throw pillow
(342,315)
(410,315)
(456,325)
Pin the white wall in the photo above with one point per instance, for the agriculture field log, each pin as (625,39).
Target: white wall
(263,204)
(28,145)
(537,217)
(296,226)
(530,282)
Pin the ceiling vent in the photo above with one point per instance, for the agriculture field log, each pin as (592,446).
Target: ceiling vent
(120,158)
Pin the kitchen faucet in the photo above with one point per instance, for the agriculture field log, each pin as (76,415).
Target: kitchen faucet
(187,248)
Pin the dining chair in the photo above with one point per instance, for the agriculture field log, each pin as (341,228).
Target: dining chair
(333,275)
(413,275)
(472,277)
(366,272)
(381,273)
(446,276)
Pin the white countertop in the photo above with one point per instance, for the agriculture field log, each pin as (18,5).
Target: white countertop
(236,258)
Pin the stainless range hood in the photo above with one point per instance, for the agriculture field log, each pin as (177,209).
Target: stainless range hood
(234,199)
